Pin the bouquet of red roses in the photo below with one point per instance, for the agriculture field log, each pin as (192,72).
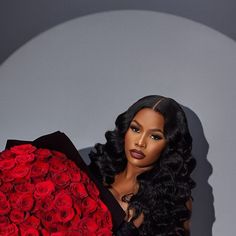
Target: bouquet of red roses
(42,192)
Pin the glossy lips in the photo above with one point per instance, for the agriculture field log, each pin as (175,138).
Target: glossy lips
(136,154)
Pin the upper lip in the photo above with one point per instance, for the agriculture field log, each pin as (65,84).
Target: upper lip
(138,151)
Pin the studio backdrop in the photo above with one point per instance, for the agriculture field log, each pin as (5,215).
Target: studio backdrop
(78,76)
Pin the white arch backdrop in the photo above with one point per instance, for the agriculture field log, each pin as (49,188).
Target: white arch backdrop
(78,76)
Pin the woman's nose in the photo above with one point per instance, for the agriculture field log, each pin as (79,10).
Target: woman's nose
(141,142)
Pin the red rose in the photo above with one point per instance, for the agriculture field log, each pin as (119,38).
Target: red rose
(63,200)
(105,215)
(39,169)
(9,230)
(30,232)
(103,219)
(30,222)
(45,232)
(6,187)
(24,188)
(2,196)
(84,177)
(13,198)
(23,149)
(75,222)
(107,222)
(88,225)
(77,207)
(24,158)
(3,221)
(78,190)
(58,234)
(75,177)
(7,164)
(42,154)
(65,215)
(6,154)
(61,179)
(60,227)
(59,155)
(6,176)
(43,189)
(84,227)
(84,232)
(92,189)
(57,165)
(78,232)
(20,171)
(40,179)
(25,202)
(88,205)
(45,204)
(4,207)
(17,216)
(104,232)
(72,166)
(102,206)
(49,220)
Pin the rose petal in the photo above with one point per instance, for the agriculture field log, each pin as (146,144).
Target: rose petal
(17,216)
(42,153)
(25,202)
(20,171)
(23,149)
(30,232)
(63,200)
(7,164)
(24,158)
(4,207)
(43,189)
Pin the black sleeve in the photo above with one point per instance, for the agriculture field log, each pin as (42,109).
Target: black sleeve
(127,229)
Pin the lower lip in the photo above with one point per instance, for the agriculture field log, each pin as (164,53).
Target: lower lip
(136,155)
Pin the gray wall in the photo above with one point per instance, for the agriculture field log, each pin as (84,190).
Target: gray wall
(79,76)
(24,19)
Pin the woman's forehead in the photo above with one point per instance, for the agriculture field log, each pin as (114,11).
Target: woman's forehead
(150,118)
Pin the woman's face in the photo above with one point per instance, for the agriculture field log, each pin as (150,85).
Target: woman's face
(144,139)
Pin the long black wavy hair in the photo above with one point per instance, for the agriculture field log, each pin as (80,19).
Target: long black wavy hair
(165,189)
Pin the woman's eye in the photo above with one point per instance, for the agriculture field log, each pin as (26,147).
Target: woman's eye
(156,137)
(134,128)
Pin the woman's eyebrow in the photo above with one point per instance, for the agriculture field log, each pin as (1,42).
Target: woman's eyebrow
(136,122)
(153,130)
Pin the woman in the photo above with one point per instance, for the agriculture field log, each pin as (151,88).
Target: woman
(146,164)
(143,170)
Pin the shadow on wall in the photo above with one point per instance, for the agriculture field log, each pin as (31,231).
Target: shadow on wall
(203,215)
(85,154)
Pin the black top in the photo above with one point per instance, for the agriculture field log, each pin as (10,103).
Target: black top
(60,142)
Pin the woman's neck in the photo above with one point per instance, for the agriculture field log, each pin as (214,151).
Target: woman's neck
(123,188)
(125,183)
(132,172)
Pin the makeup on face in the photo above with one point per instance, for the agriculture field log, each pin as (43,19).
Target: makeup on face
(145,140)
